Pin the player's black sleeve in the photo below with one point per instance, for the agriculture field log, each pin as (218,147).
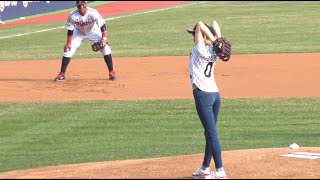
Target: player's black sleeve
(103,28)
(70,33)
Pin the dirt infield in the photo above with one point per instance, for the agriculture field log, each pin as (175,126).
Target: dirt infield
(242,164)
(248,76)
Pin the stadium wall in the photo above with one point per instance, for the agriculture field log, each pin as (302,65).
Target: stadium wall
(15,9)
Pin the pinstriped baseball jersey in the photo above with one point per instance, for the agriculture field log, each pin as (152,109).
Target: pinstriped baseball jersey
(85,27)
(86,23)
(201,67)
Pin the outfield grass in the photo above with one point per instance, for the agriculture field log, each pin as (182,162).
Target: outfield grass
(52,133)
(34,134)
(252,27)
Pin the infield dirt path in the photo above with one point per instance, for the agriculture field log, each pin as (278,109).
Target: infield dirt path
(244,76)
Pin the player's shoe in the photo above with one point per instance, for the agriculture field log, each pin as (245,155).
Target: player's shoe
(201,173)
(219,175)
(112,75)
(60,77)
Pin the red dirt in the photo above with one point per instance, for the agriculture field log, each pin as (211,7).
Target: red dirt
(246,76)
(241,164)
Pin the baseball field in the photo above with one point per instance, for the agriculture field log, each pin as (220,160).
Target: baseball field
(144,124)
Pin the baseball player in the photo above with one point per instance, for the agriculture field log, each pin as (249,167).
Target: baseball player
(206,94)
(85,23)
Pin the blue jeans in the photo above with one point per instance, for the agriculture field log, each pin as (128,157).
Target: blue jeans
(208,105)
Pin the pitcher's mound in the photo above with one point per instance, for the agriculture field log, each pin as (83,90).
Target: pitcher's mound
(240,164)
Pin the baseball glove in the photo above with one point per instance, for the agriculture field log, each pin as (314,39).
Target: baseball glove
(222,48)
(97,46)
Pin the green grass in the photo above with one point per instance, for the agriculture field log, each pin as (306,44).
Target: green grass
(35,134)
(252,27)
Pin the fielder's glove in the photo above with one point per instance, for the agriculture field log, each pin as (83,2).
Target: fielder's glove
(222,48)
(98,45)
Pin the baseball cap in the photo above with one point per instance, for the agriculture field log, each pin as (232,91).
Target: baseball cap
(81,2)
(193,30)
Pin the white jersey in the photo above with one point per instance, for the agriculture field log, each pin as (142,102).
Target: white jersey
(201,67)
(86,23)
(85,27)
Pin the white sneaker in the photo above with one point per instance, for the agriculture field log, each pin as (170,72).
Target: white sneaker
(219,175)
(202,173)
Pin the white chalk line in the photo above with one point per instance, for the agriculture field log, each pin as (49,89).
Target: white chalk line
(108,19)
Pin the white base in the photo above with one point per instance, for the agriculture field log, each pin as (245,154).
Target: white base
(305,155)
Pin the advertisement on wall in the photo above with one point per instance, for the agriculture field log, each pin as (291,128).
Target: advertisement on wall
(16,9)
